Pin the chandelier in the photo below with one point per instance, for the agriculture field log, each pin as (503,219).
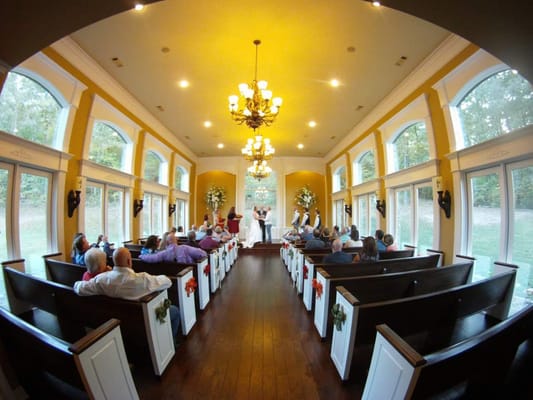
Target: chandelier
(257,107)
(258,150)
(259,170)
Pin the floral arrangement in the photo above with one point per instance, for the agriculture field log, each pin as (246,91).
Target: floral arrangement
(215,197)
(190,286)
(207,269)
(339,316)
(161,311)
(305,197)
(318,287)
(306,271)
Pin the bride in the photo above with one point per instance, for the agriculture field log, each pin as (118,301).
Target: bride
(254,234)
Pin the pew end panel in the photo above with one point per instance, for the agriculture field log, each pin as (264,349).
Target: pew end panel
(440,253)
(307,283)
(214,270)
(159,334)
(344,339)
(221,262)
(186,299)
(322,294)
(203,283)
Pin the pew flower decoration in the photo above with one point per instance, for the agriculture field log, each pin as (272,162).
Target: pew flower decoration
(161,311)
(291,253)
(215,197)
(190,286)
(207,269)
(339,316)
(305,197)
(318,287)
(306,271)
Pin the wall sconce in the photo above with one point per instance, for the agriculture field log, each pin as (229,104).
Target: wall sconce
(380,205)
(73,198)
(138,205)
(348,209)
(445,199)
(171,209)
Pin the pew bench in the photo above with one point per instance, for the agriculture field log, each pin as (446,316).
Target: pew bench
(145,338)
(430,319)
(372,288)
(94,366)
(359,269)
(388,255)
(481,361)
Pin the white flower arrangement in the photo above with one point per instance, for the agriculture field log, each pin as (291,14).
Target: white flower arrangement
(305,197)
(215,197)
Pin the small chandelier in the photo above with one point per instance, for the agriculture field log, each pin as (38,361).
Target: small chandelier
(258,107)
(258,150)
(259,170)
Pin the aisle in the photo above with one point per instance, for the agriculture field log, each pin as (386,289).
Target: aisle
(254,341)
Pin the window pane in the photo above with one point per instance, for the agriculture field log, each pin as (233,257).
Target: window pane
(178,177)
(486,221)
(107,146)
(157,214)
(373,215)
(500,104)
(362,224)
(94,216)
(146,216)
(411,147)
(180,214)
(520,237)
(404,217)
(28,110)
(259,193)
(425,223)
(34,206)
(367,167)
(4,176)
(152,167)
(115,216)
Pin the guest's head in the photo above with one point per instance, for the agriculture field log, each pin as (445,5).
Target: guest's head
(379,234)
(81,245)
(369,247)
(316,233)
(96,261)
(388,239)
(191,236)
(336,245)
(209,232)
(122,257)
(152,242)
(354,233)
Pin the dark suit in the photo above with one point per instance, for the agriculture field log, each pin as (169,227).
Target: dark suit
(338,257)
(262,213)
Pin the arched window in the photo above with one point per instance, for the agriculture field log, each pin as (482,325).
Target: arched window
(28,110)
(107,146)
(339,179)
(498,105)
(366,167)
(411,146)
(181,179)
(152,167)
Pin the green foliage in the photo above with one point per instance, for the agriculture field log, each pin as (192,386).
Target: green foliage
(411,147)
(28,110)
(107,146)
(498,105)
(152,167)
(367,166)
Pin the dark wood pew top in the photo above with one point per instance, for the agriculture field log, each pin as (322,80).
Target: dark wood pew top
(387,255)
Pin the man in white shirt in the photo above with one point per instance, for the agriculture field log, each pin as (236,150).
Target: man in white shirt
(268,224)
(124,283)
(295,222)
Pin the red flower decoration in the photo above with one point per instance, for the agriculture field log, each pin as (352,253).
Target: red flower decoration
(306,271)
(285,245)
(206,270)
(230,246)
(318,287)
(191,286)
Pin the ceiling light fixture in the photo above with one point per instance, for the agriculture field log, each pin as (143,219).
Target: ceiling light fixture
(257,105)
(139,6)
(259,170)
(259,151)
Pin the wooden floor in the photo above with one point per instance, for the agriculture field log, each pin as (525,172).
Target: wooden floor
(254,341)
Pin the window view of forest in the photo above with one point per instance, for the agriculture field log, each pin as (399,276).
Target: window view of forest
(411,147)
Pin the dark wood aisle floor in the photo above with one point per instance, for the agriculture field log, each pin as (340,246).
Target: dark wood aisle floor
(254,341)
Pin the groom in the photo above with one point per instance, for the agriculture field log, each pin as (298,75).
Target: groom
(262,213)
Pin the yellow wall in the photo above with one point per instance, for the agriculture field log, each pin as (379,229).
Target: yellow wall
(204,182)
(316,183)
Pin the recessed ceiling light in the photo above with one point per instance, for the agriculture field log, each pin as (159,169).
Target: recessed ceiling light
(376,4)
(183,83)
(334,83)
(300,146)
(514,71)
(139,7)
(208,124)
(311,124)
(220,145)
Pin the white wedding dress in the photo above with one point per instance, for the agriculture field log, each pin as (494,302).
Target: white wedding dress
(254,234)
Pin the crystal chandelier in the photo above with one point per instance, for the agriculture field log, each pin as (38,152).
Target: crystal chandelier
(257,106)
(258,150)
(259,170)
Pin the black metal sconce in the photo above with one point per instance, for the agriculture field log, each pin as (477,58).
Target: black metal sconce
(348,209)
(73,201)
(381,207)
(445,202)
(171,209)
(137,206)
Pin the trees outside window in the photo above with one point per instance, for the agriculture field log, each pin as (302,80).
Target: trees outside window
(366,167)
(181,179)
(107,146)
(152,214)
(28,110)
(498,105)
(339,179)
(366,214)
(411,147)
(152,167)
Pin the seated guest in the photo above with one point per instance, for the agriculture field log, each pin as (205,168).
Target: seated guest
(326,236)
(182,254)
(344,235)
(151,245)
(81,245)
(96,261)
(307,233)
(73,248)
(379,240)
(315,242)
(106,246)
(191,239)
(354,240)
(337,256)
(124,283)
(292,235)
(180,232)
(165,240)
(200,234)
(388,239)
(369,251)
(208,243)
(221,234)
(336,233)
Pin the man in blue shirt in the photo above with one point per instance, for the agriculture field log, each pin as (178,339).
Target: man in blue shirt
(379,240)
(337,256)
